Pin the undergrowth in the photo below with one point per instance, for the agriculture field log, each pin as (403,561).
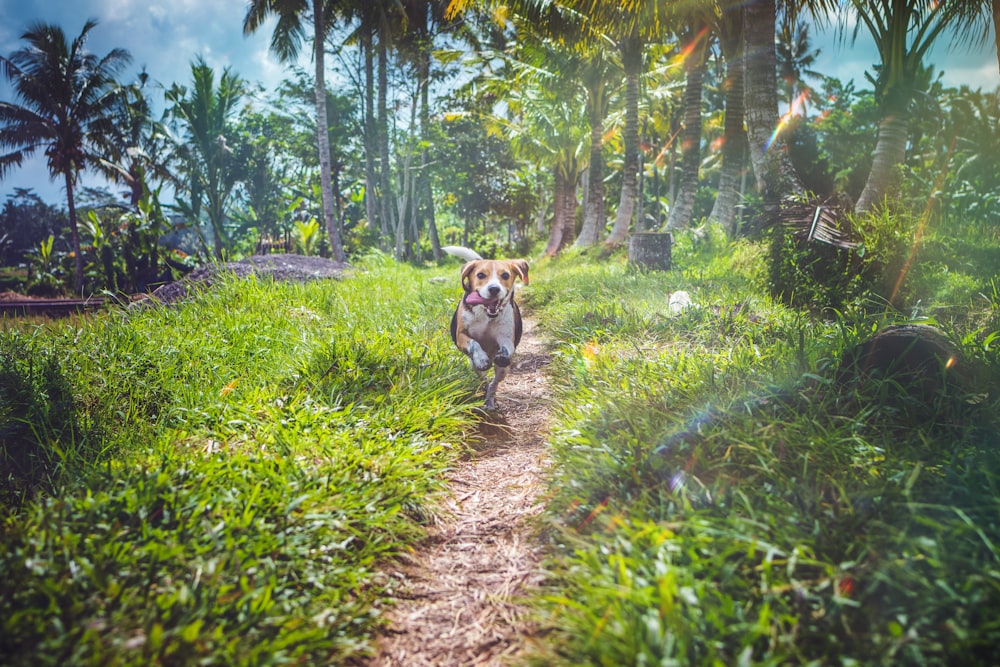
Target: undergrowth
(216,482)
(720,496)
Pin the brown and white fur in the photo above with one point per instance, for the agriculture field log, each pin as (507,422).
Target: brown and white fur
(486,325)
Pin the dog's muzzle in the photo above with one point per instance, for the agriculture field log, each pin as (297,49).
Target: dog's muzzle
(491,306)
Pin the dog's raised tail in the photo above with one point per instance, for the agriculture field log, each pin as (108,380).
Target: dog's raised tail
(461,252)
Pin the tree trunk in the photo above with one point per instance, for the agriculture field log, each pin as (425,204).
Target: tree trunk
(593,210)
(371,144)
(682,208)
(734,138)
(425,193)
(323,135)
(386,198)
(631,49)
(74,235)
(564,218)
(775,174)
(996,28)
(890,151)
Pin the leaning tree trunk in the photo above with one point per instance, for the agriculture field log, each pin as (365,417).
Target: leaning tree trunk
(890,151)
(682,208)
(734,138)
(631,49)
(593,210)
(773,169)
(74,235)
(323,136)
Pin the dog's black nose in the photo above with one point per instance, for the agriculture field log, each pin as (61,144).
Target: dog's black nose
(494,290)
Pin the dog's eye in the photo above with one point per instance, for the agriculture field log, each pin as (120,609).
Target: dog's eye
(481,275)
(505,275)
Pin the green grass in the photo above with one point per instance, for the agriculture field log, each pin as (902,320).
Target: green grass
(219,482)
(222,479)
(718,498)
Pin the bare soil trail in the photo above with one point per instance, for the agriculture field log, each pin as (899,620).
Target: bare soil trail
(461,588)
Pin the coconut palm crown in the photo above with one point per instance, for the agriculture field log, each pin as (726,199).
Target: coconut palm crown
(65,99)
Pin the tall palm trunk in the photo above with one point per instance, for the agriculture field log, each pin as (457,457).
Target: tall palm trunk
(425,193)
(371,144)
(890,151)
(386,198)
(734,138)
(682,208)
(323,135)
(564,218)
(74,232)
(631,50)
(773,169)
(593,210)
(995,6)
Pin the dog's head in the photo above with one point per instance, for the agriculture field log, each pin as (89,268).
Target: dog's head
(490,282)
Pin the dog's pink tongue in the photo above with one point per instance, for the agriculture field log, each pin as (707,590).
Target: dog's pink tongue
(474,299)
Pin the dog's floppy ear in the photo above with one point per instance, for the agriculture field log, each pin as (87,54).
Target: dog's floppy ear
(520,268)
(467,275)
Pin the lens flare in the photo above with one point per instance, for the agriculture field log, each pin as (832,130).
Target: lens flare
(797,108)
(924,218)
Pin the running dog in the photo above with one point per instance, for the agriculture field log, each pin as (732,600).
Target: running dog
(486,325)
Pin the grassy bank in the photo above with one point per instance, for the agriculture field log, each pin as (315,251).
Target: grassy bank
(720,498)
(214,482)
(217,482)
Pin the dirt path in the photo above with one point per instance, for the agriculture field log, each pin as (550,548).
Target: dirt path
(461,586)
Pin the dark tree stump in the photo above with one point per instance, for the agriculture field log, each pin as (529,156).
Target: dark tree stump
(651,250)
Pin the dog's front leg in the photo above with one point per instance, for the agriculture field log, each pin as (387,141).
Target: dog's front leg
(477,355)
(491,388)
(502,358)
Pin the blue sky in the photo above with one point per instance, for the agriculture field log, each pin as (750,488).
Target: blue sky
(162,36)
(165,36)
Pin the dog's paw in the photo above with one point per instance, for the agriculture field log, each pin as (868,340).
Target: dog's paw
(479,360)
(503,358)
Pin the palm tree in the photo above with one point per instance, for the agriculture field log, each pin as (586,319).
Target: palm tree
(204,116)
(694,42)
(285,43)
(66,97)
(595,75)
(136,144)
(995,11)
(546,122)
(630,26)
(772,168)
(795,57)
(730,30)
(903,31)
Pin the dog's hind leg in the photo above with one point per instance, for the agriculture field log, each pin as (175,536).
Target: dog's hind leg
(500,372)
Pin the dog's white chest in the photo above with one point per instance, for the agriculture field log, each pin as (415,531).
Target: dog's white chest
(491,332)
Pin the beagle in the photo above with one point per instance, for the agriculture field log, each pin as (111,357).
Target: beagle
(486,325)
